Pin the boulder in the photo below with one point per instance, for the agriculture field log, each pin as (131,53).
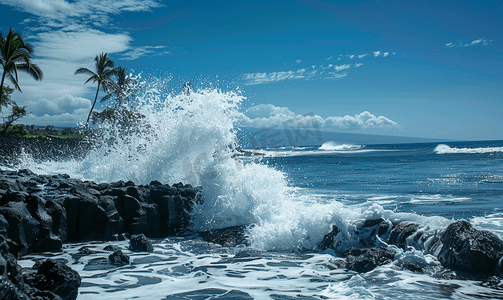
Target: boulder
(139,242)
(11,279)
(366,259)
(47,241)
(226,237)
(23,228)
(471,250)
(399,234)
(118,258)
(55,276)
(329,239)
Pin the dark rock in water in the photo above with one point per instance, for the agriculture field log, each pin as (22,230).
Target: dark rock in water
(401,232)
(40,212)
(140,242)
(58,215)
(4,226)
(135,217)
(329,238)
(366,259)
(227,237)
(468,249)
(118,258)
(23,228)
(113,222)
(111,248)
(369,230)
(11,279)
(47,240)
(57,277)
(121,237)
(213,293)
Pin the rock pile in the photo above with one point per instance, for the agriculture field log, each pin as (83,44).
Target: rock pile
(48,279)
(40,212)
(458,247)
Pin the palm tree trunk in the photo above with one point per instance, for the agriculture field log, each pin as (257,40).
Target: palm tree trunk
(92,107)
(1,88)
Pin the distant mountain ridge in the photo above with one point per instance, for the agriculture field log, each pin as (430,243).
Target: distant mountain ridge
(258,138)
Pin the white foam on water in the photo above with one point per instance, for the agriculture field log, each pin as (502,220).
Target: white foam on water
(445,149)
(333,146)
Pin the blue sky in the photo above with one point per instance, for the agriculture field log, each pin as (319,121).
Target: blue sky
(429,69)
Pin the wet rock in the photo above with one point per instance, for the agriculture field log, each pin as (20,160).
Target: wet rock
(23,228)
(11,279)
(471,250)
(55,276)
(46,240)
(140,243)
(118,258)
(329,238)
(368,231)
(401,232)
(113,222)
(366,259)
(134,216)
(226,237)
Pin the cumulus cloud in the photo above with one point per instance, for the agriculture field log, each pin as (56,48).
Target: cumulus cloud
(298,61)
(66,110)
(61,105)
(358,65)
(67,35)
(270,116)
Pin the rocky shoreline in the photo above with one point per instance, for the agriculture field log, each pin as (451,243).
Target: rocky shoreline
(38,213)
(41,148)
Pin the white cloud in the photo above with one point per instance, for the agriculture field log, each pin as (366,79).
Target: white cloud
(330,58)
(67,35)
(270,116)
(260,78)
(61,105)
(465,43)
(58,13)
(385,54)
(362,56)
(138,52)
(298,61)
(377,53)
(358,65)
(342,67)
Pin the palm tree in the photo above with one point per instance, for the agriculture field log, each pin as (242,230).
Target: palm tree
(103,75)
(15,55)
(123,89)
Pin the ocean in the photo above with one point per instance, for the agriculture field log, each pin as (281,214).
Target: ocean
(288,197)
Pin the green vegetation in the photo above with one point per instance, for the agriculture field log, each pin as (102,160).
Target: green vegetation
(103,76)
(15,55)
(123,89)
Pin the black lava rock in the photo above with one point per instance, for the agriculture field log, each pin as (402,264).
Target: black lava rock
(471,250)
(366,259)
(140,242)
